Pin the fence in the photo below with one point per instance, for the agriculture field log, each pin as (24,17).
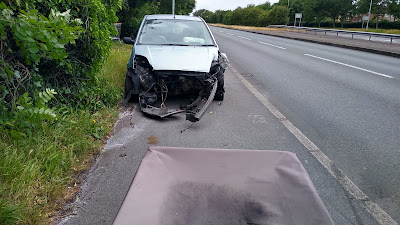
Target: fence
(353,33)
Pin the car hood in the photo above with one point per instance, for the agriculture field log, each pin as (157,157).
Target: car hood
(180,58)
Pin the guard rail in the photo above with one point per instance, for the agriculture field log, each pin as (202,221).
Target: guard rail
(315,30)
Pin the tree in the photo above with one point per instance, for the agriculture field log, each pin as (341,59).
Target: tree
(132,14)
(263,19)
(332,8)
(394,9)
(227,18)
(379,7)
(278,15)
(295,6)
(182,7)
(346,11)
(250,15)
(237,16)
(265,6)
(205,14)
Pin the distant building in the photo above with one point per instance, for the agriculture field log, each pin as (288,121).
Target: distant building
(358,18)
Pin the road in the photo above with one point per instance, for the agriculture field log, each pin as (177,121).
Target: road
(337,101)
(347,102)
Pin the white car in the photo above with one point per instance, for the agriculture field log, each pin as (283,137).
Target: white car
(174,55)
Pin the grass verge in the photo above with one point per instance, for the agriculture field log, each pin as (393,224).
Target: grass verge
(384,31)
(38,166)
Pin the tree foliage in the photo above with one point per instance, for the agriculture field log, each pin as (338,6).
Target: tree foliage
(55,44)
(133,11)
(314,11)
(379,7)
(278,15)
(253,15)
(394,9)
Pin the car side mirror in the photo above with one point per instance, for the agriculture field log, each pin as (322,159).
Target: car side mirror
(128,40)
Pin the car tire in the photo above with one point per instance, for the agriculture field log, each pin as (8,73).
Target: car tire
(219,95)
(129,87)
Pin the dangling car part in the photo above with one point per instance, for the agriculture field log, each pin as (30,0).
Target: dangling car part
(174,55)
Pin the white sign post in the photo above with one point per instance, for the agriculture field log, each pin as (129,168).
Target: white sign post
(297,16)
(364,18)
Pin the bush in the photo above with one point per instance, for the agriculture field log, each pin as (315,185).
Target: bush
(278,15)
(62,51)
(51,53)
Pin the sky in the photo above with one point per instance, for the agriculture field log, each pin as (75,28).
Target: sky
(213,5)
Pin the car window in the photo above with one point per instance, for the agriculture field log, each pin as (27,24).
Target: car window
(175,32)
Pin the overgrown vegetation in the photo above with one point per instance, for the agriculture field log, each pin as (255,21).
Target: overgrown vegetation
(55,103)
(319,12)
(37,167)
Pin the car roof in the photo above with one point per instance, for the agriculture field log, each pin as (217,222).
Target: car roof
(169,16)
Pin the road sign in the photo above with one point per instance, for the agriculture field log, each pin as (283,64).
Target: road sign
(297,16)
(365,18)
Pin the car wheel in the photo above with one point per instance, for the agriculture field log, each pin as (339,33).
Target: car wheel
(129,88)
(219,95)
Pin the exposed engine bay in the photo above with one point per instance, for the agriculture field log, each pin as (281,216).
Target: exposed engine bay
(156,86)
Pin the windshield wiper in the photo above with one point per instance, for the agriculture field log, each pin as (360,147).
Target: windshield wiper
(206,45)
(176,44)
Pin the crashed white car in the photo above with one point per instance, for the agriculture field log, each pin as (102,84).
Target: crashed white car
(174,55)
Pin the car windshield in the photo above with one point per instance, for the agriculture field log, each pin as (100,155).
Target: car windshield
(175,32)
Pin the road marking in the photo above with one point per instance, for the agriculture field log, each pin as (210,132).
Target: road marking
(244,38)
(271,45)
(229,33)
(372,208)
(221,31)
(354,67)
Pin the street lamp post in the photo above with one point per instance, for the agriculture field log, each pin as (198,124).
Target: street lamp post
(369,14)
(173,7)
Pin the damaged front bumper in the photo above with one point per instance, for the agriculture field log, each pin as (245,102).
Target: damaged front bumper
(194,111)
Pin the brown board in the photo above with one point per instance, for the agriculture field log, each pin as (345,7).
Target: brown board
(181,186)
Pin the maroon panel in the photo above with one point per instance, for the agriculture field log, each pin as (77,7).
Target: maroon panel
(180,186)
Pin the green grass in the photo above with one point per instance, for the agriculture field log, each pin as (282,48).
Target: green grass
(37,166)
(116,65)
(373,30)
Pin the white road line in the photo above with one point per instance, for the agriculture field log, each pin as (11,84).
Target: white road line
(354,67)
(221,31)
(381,216)
(229,33)
(244,38)
(271,45)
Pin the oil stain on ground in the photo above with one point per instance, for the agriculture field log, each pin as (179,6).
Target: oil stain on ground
(197,204)
(152,140)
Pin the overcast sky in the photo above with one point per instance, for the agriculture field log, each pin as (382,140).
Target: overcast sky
(213,5)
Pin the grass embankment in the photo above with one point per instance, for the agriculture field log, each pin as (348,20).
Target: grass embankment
(384,31)
(393,31)
(38,169)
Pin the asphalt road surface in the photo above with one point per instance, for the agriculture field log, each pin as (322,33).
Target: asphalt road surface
(337,109)
(347,102)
